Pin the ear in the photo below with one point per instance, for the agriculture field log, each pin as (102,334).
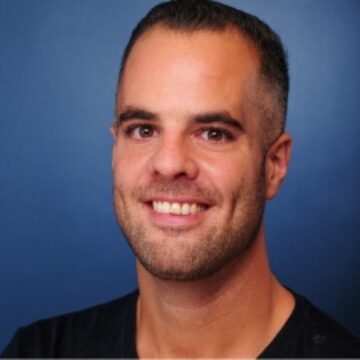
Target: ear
(277,163)
(113,131)
(113,134)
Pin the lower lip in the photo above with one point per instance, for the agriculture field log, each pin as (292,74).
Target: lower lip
(173,220)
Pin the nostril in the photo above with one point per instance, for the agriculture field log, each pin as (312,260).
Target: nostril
(175,166)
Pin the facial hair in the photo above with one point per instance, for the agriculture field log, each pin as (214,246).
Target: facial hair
(170,256)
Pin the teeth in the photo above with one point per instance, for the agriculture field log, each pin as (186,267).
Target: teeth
(185,209)
(176,208)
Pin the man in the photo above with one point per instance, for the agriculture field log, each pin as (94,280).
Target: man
(199,148)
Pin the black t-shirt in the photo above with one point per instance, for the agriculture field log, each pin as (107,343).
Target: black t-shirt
(108,331)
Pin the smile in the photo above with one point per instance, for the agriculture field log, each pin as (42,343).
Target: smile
(176,208)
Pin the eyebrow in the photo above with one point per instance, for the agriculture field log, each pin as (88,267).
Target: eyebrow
(133,113)
(218,117)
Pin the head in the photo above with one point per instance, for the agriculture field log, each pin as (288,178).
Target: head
(189,16)
(199,143)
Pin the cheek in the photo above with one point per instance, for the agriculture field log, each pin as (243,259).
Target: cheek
(225,174)
(128,166)
(234,176)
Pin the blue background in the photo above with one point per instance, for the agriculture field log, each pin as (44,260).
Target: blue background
(60,248)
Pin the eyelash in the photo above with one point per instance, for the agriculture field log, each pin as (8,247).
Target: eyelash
(226,135)
(129,131)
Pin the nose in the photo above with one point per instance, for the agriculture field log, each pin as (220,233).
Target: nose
(173,158)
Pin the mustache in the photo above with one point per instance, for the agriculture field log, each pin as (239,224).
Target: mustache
(177,187)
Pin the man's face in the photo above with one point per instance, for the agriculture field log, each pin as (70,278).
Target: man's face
(189,175)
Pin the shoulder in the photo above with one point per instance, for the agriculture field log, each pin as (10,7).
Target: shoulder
(76,334)
(310,332)
(327,335)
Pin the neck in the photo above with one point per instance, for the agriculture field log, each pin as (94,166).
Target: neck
(207,318)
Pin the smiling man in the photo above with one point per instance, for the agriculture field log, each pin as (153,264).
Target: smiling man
(199,148)
(188,160)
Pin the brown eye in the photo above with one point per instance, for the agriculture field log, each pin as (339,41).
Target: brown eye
(141,131)
(216,135)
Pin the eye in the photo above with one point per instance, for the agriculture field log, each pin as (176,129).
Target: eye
(216,135)
(140,131)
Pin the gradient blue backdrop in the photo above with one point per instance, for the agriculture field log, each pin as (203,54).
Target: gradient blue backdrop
(60,247)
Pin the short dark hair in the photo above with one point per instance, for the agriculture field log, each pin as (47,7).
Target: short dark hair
(194,15)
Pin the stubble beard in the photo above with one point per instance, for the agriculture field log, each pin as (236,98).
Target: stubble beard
(171,257)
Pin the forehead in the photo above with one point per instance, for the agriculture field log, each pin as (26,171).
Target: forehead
(178,70)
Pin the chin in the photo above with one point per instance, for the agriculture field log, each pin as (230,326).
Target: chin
(188,267)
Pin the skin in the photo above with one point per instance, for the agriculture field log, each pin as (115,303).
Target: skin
(205,276)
